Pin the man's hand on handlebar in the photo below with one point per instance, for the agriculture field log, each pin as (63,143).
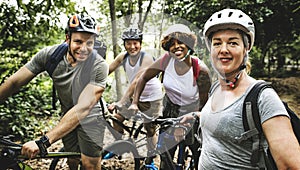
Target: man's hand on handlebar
(30,149)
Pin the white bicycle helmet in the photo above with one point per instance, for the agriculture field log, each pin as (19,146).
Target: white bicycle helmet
(177,28)
(229,19)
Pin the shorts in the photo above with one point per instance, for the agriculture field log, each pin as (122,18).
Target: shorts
(87,138)
(150,108)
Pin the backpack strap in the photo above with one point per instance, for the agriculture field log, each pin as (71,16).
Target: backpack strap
(163,64)
(252,123)
(126,56)
(55,58)
(51,64)
(142,57)
(62,49)
(196,69)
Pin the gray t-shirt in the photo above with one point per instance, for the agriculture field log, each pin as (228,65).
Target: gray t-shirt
(64,74)
(220,150)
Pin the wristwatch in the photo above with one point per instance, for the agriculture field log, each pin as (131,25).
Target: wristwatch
(43,143)
(45,140)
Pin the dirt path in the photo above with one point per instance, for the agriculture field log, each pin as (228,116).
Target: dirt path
(289,91)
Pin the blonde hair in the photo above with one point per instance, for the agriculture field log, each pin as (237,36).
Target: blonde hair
(248,67)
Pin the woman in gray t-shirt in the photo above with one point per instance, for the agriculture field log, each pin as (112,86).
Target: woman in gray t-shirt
(229,36)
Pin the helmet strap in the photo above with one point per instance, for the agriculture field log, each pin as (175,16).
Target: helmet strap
(232,84)
(69,50)
(187,54)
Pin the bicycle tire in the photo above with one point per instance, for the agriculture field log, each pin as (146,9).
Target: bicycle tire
(55,161)
(121,147)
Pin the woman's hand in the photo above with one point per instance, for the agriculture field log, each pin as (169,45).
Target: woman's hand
(190,117)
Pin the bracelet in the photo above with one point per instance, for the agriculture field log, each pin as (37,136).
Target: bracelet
(195,116)
(43,143)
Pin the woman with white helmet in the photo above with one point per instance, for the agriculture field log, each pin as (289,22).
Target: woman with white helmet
(229,36)
(185,78)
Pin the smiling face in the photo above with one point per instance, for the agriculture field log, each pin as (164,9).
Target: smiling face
(179,44)
(178,49)
(133,47)
(227,51)
(81,45)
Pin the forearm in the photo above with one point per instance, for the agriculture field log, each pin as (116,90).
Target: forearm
(204,84)
(129,93)
(6,90)
(138,90)
(14,83)
(67,124)
(87,100)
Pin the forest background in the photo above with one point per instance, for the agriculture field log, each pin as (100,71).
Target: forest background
(26,26)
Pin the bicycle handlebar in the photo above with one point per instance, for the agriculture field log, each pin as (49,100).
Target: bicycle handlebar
(163,122)
(158,120)
(9,149)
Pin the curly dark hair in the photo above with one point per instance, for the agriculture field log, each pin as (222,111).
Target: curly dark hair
(188,39)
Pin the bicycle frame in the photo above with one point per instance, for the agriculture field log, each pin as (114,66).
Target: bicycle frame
(12,151)
(10,155)
(163,122)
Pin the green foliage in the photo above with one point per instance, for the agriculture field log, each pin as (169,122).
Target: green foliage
(276,22)
(25,113)
(257,63)
(25,27)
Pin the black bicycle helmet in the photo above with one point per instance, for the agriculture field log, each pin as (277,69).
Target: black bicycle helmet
(81,23)
(132,34)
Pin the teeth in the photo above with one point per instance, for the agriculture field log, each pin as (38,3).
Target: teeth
(178,52)
(225,59)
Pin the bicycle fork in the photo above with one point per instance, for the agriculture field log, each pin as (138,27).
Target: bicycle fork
(161,146)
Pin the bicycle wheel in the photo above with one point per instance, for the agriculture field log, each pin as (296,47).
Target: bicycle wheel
(58,163)
(122,149)
(59,159)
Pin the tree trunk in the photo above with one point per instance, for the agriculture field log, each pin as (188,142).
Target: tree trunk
(116,48)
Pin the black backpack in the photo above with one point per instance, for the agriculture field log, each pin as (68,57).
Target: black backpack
(58,55)
(253,128)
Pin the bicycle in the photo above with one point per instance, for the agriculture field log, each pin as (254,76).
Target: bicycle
(136,135)
(163,124)
(135,140)
(11,158)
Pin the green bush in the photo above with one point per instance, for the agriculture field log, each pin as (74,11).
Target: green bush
(26,114)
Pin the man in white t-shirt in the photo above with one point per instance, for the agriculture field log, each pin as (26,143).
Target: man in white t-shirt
(135,61)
